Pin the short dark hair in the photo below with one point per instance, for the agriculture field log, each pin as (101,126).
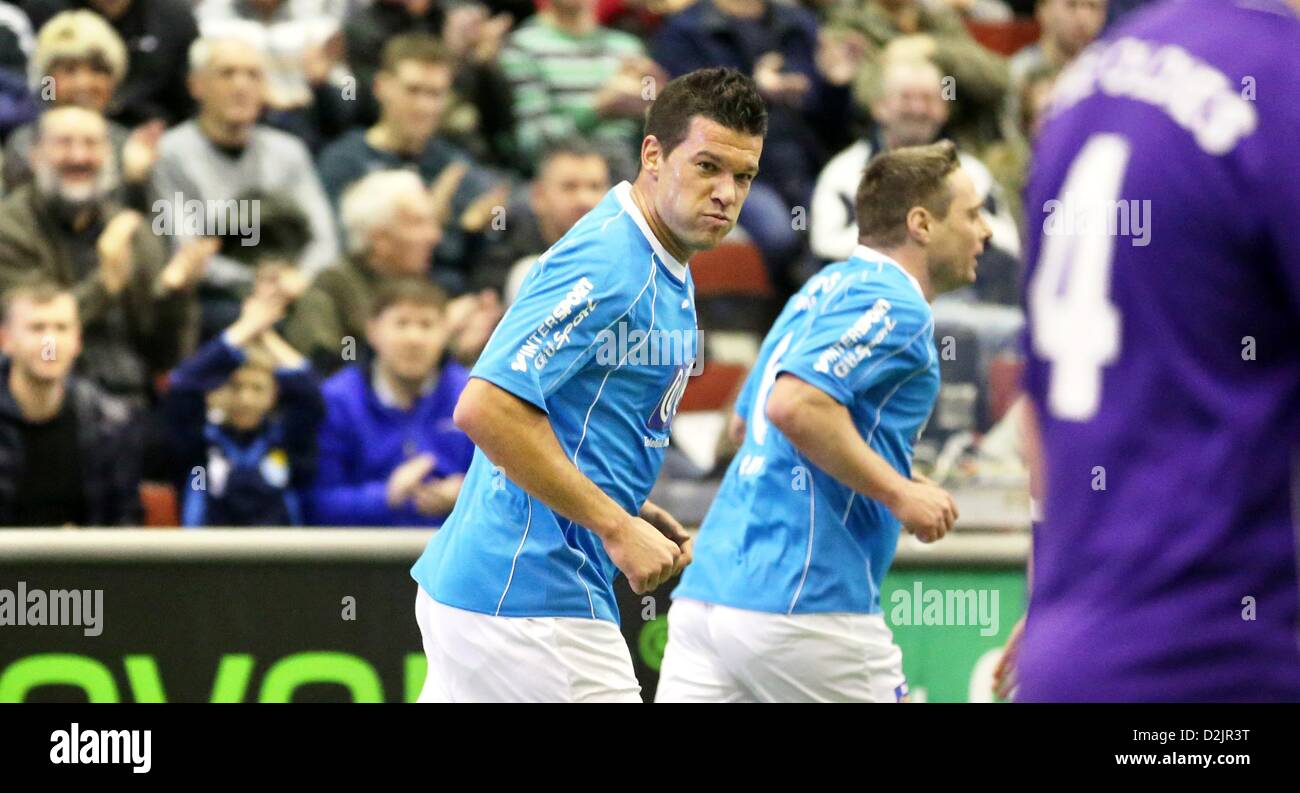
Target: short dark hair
(895,182)
(415,291)
(569,147)
(39,291)
(722,95)
(421,47)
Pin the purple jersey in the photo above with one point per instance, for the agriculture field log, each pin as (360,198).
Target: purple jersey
(1163,343)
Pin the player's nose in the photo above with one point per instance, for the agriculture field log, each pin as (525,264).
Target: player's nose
(724,192)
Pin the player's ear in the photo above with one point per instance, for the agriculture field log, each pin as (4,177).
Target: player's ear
(651,155)
(919,225)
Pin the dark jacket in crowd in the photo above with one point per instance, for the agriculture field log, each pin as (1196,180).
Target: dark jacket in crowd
(230,478)
(109,441)
(128,337)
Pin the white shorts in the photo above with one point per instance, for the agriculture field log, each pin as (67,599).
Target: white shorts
(721,654)
(481,658)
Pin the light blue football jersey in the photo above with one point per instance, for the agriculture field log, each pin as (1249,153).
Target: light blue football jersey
(602,337)
(782,535)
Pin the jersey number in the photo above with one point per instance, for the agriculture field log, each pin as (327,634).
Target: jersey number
(1075,326)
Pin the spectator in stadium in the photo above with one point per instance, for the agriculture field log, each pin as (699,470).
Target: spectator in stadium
(303,45)
(803,76)
(478,117)
(572,77)
(136,304)
(910,111)
(69,453)
(158,35)
(391,224)
(1066,27)
(389,452)
(911,29)
(217,159)
(413,86)
(572,178)
(243,414)
(79,61)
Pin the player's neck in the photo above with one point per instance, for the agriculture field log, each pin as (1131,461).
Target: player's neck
(913,261)
(657,227)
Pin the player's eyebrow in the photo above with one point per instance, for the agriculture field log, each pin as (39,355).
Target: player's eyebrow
(715,159)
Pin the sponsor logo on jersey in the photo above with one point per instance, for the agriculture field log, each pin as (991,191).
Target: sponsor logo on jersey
(553,334)
(851,349)
(663,413)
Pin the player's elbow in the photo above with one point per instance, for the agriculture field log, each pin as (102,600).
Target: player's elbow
(471,413)
(785,407)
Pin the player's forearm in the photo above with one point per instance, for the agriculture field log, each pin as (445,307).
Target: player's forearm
(824,432)
(519,439)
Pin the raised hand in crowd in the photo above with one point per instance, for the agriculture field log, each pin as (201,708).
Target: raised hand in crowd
(318,61)
(840,54)
(626,94)
(469,322)
(473,35)
(186,267)
(437,496)
(787,88)
(116,263)
(140,151)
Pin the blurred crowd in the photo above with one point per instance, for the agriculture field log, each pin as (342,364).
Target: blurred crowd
(250,249)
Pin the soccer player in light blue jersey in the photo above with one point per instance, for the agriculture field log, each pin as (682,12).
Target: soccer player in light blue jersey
(783,600)
(570,407)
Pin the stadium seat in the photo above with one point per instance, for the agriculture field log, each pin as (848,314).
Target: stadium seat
(731,269)
(732,289)
(1004,38)
(714,388)
(160,505)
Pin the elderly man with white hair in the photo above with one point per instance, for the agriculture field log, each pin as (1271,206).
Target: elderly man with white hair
(910,111)
(391,223)
(390,228)
(224,155)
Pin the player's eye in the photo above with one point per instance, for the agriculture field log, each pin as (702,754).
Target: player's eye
(707,167)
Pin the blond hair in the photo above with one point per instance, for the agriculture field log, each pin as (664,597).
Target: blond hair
(78,36)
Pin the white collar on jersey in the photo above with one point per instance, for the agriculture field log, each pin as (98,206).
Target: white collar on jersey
(867,254)
(624,192)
